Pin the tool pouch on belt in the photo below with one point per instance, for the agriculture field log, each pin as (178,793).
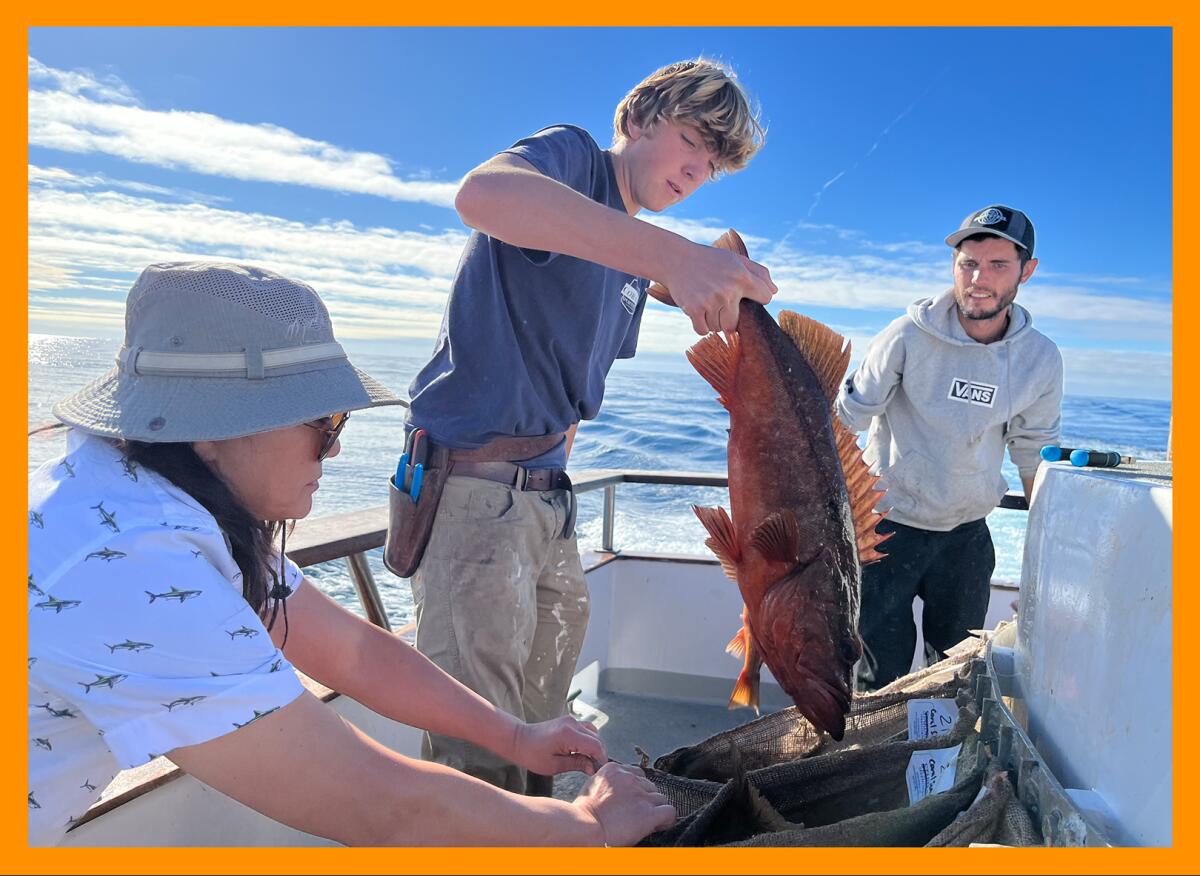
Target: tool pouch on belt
(410,522)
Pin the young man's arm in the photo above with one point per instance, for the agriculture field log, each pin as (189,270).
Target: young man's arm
(387,675)
(507,198)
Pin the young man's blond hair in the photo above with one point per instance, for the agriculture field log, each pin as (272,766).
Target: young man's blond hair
(701,93)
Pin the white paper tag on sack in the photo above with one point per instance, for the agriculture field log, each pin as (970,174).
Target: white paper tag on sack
(931,718)
(931,772)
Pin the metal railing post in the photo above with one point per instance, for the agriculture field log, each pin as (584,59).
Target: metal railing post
(368,593)
(610,511)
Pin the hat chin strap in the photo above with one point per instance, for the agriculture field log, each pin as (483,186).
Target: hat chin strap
(135,360)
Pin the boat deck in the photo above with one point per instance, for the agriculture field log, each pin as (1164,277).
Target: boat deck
(655,725)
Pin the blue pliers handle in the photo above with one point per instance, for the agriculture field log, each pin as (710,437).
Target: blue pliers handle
(418,476)
(406,476)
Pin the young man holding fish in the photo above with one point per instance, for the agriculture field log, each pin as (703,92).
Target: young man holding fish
(549,292)
(943,390)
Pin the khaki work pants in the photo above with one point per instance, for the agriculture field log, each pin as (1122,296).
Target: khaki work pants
(502,606)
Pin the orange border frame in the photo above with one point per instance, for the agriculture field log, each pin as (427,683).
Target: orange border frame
(20,859)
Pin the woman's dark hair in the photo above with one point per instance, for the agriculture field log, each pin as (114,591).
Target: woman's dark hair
(250,540)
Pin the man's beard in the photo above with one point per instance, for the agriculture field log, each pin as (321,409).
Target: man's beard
(997,304)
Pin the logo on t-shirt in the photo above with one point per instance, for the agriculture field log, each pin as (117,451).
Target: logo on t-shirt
(629,297)
(972,392)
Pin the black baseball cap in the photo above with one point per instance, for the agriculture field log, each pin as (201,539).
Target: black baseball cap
(1000,221)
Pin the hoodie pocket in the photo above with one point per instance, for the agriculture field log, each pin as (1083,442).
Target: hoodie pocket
(938,495)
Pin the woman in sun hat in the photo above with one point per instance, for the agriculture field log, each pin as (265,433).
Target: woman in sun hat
(155,588)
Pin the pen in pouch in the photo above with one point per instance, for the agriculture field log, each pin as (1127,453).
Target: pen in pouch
(415,453)
(418,476)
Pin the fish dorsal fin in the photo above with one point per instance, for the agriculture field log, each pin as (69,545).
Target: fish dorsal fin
(715,358)
(860,485)
(730,240)
(827,352)
(778,537)
(721,541)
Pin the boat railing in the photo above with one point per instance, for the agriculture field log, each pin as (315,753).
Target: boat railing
(351,535)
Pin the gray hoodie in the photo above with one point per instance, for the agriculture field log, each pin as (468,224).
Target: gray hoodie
(941,407)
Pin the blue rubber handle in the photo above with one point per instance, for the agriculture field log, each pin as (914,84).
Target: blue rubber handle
(1054,453)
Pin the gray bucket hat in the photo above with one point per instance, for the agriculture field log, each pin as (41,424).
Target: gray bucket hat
(215,351)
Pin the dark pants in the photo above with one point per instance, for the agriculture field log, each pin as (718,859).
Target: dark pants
(950,571)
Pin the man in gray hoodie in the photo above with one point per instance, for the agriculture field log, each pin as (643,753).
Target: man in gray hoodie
(942,390)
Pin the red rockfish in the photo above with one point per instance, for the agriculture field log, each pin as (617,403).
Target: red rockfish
(802,504)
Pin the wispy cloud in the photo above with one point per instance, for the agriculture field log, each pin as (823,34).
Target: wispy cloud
(57,177)
(874,146)
(86,239)
(90,245)
(108,88)
(83,115)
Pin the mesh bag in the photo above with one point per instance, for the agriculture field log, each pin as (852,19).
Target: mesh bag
(996,817)
(813,791)
(787,735)
(777,781)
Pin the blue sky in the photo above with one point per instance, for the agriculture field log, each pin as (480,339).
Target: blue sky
(332,156)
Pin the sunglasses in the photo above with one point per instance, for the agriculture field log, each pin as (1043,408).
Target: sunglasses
(332,427)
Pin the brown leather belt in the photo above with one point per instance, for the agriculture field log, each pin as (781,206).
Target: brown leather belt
(513,475)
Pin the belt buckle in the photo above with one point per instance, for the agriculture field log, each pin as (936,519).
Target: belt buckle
(522,480)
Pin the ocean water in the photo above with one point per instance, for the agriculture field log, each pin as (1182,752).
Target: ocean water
(652,418)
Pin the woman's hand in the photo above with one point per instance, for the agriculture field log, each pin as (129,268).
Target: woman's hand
(558,746)
(625,804)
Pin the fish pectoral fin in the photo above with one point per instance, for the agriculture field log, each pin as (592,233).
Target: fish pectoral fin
(721,540)
(778,538)
(714,359)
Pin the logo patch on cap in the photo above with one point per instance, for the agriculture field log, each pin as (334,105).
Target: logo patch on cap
(990,216)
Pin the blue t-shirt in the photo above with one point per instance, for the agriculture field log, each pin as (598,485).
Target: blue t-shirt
(528,336)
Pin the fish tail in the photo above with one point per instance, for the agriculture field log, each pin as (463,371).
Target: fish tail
(745,691)
(733,242)
(152,596)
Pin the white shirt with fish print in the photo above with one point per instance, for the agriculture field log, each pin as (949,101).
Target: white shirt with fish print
(139,638)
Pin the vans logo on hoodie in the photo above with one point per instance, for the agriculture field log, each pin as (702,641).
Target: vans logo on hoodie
(972,392)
